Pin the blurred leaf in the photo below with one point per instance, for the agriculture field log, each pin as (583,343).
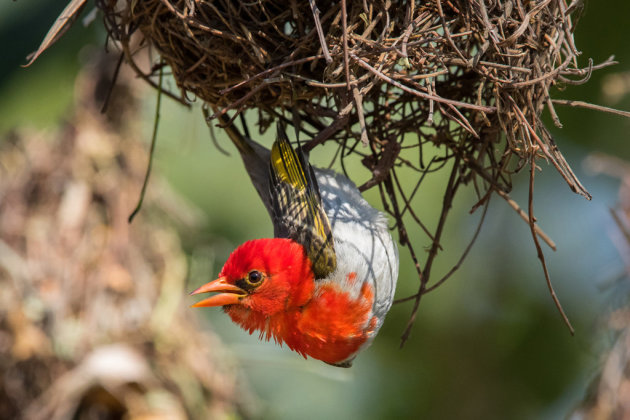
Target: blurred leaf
(65,20)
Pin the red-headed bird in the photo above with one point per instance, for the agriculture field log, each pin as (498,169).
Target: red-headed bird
(325,282)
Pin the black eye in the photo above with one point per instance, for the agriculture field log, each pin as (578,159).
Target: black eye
(250,282)
(254,277)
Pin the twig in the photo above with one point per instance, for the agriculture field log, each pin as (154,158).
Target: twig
(525,217)
(466,251)
(147,77)
(539,252)
(344,27)
(238,102)
(447,33)
(320,31)
(610,61)
(459,262)
(112,84)
(488,109)
(560,166)
(156,121)
(582,104)
(449,193)
(340,121)
(271,71)
(358,100)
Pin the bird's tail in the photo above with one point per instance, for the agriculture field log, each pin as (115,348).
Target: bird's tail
(255,158)
(243,146)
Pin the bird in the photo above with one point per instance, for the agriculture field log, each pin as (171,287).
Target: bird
(324,283)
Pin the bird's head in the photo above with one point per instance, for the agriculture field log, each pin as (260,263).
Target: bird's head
(262,277)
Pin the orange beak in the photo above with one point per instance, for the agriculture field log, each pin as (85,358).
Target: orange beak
(229,294)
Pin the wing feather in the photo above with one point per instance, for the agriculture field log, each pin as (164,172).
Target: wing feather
(297,208)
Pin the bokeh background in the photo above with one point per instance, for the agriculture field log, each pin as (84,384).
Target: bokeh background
(488,343)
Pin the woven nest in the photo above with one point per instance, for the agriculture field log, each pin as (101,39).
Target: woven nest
(464,82)
(470,77)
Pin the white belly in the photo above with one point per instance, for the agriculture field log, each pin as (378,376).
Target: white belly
(363,244)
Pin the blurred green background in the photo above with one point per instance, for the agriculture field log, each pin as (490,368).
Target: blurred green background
(489,343)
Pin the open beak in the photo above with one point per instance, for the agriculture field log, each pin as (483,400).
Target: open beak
(228,294)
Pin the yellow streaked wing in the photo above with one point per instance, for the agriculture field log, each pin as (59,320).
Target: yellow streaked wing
(297,207)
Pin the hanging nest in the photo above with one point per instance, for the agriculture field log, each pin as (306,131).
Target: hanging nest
(462,83)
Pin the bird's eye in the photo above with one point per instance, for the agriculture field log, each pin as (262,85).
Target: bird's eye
(254,277)
(251,281)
